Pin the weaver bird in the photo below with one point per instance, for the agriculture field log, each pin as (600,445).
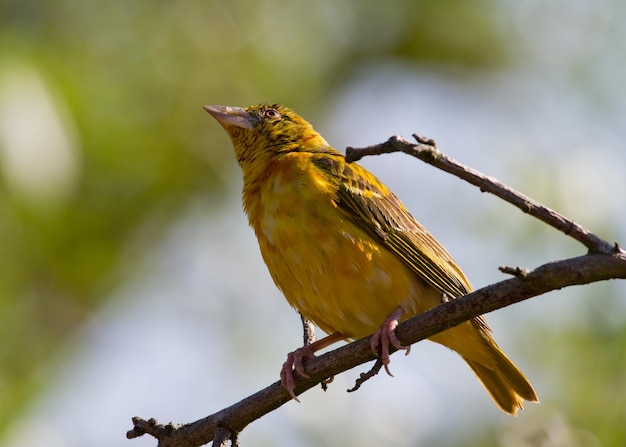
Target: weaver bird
(345,251)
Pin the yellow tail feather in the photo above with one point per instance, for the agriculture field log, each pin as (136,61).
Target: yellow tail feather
(506,385)
(503,380)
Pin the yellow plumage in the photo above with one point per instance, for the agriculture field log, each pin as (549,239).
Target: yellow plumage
(344,250)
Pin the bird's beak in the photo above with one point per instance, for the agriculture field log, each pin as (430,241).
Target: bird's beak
(231,117)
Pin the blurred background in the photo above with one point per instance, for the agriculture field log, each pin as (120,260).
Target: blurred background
(130,284)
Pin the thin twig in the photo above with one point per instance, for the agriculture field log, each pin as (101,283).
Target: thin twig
(151,427)
(426,151)
(364,377)
(518,272)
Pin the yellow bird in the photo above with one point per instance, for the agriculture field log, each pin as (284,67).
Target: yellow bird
(345,251)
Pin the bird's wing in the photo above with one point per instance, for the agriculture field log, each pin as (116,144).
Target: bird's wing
(374,208)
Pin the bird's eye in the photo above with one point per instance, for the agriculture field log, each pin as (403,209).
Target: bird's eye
(271,114)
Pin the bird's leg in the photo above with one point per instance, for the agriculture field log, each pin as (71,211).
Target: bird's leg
(308,330)
(386,335)
(295,361)
(309,337)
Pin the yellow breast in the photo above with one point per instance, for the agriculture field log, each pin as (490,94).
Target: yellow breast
(327,268)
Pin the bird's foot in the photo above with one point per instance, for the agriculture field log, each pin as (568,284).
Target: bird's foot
(295,362)
(386,336)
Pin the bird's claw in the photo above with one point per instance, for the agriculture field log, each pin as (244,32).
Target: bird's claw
(294,362)
(386,336)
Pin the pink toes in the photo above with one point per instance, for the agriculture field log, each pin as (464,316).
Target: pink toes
(385,336)
(294,362)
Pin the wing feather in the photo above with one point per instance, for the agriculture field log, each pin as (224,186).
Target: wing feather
(378,211)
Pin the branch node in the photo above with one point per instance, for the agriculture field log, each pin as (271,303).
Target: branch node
(327,381)
(223,434)
(354,154)
(136,431)
(424,140)
(518,272)
(428,149)
(364,377)
(150,427)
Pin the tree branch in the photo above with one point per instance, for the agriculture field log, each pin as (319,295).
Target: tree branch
(604,261)
(426,150)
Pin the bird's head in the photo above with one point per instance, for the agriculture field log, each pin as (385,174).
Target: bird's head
(266,130)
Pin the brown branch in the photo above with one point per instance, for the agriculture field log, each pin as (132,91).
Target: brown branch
(604,261)
(427,151)
(552,276)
